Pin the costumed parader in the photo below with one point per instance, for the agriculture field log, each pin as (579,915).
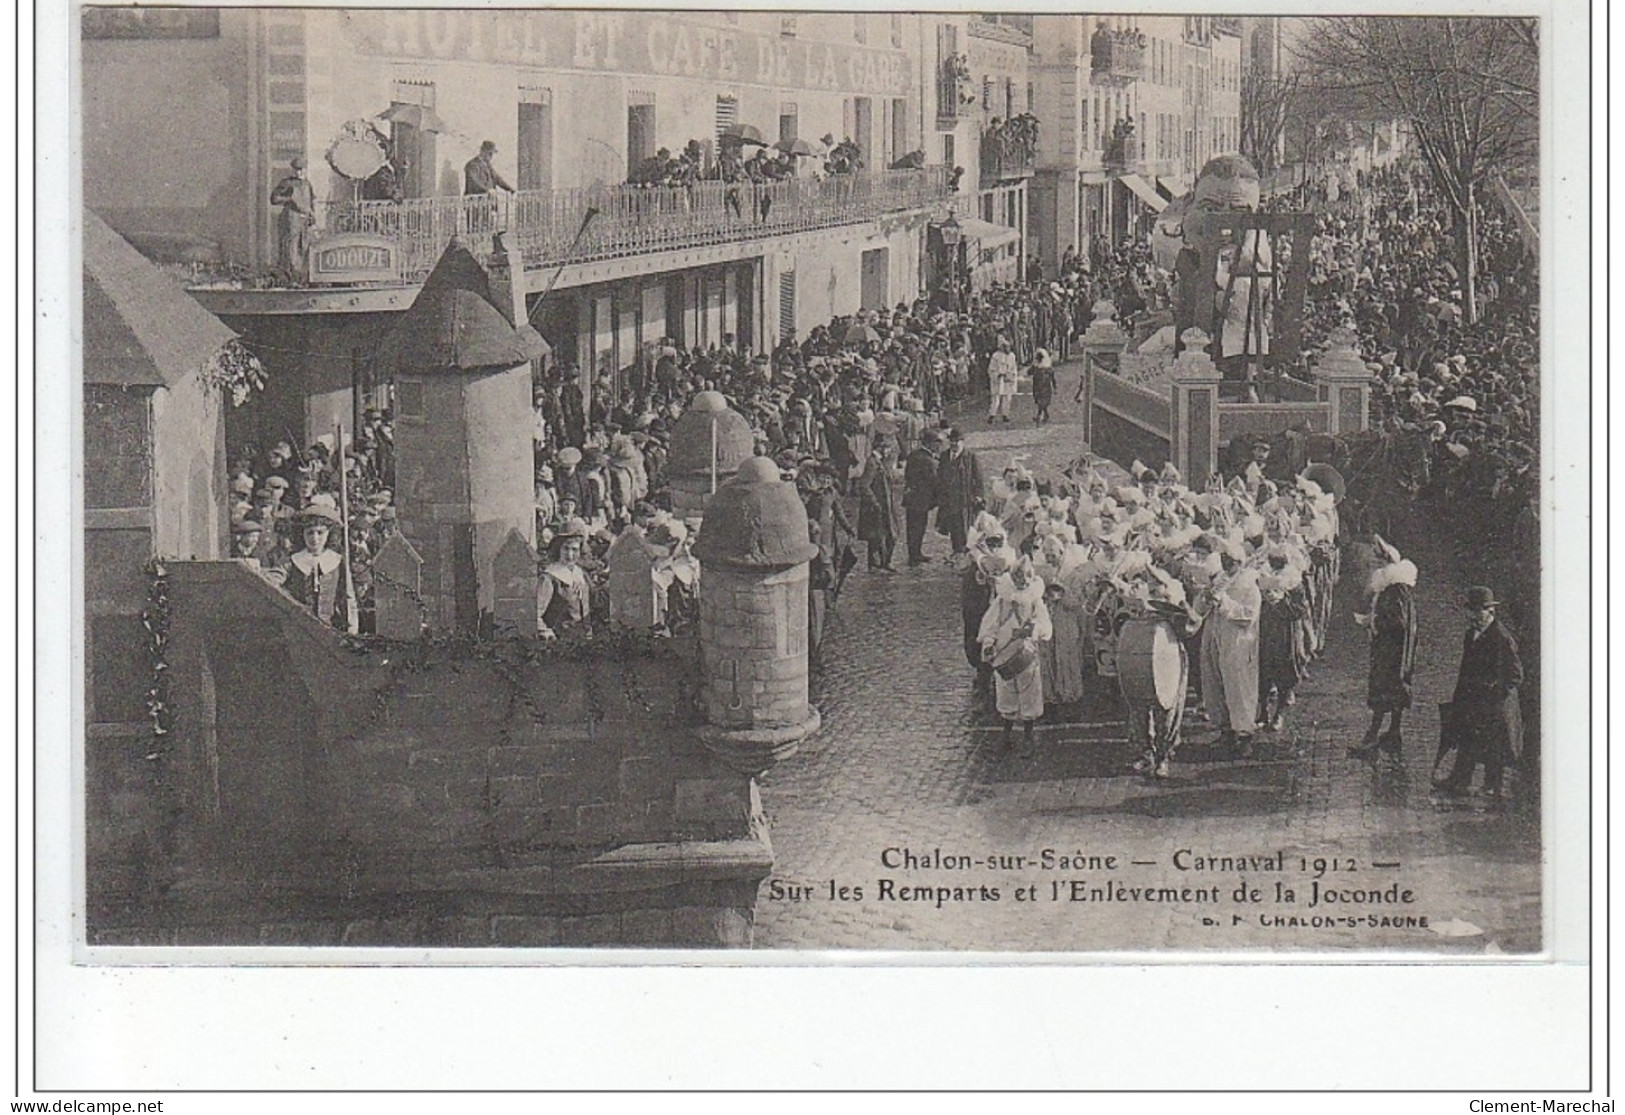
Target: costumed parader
(1283,637)
(1153,671)
(1391,621)
(1064,568)
(1016,620)
(989,558)
(1230,649)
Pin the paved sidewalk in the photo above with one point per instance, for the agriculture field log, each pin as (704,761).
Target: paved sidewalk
(907,760)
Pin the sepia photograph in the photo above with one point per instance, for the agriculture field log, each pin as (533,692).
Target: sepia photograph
(920,482)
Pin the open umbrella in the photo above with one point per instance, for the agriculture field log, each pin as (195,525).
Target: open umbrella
(414,116)
(860,334)
(798,147)
(745,133)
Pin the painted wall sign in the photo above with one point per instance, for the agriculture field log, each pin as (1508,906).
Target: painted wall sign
(354,257)
(627,42)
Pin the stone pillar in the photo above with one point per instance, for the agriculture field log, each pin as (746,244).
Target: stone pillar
(1104,343)
(1194,430)
(708,444)
(1345,385)
(754,551)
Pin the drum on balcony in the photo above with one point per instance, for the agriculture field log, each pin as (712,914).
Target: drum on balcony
(1148,666)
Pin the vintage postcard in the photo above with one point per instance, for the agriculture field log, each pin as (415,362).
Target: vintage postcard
(557,487)
(987,482)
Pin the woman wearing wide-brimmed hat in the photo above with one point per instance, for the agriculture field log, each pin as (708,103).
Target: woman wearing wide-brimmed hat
(563,597)
(314,575)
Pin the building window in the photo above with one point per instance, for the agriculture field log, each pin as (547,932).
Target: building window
(860,28)
(948,149)
(787,26)
(640,130)
(413,144)
(409,400)
(863,119)
(788,123)
(987,94)
(535,138)
(896,29)
(727,115)
(787,305)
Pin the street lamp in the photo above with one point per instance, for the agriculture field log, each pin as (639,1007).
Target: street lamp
(950,231)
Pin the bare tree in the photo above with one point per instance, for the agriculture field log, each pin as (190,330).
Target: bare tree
(1266,102)
(1470,89)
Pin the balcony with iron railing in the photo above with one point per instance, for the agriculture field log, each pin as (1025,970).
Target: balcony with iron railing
(1122,154)
(1009,150)
(553,227)
(1116,58)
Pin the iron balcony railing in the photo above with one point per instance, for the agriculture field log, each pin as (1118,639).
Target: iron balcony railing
(1002,165)
(1116,57)
(607,222)
(1122,153)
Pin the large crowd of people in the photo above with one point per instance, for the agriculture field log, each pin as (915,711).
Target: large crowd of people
(857,413)
(1384,261)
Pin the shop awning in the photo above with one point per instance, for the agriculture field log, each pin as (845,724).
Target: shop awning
(988,234)
(1174,186)
(1143,190)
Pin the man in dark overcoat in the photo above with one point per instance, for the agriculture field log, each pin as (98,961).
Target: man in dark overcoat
(920,492)
(959,489)
(1484,714)
(877,508)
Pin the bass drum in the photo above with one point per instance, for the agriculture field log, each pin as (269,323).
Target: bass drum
(1148,663)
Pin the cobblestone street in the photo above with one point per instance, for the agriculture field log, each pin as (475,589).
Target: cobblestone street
(908,760)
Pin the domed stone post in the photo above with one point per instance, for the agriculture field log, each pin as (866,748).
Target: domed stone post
(1345,384)
(1104,343)
(753,551)
(1194,431)
(708,444)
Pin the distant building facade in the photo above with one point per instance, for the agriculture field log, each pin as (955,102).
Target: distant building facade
(1175,79)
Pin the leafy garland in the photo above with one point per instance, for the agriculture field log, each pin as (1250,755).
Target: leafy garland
(155,619)
(236,369)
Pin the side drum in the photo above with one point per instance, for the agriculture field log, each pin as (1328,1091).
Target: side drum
(1148,663)
(1016,656)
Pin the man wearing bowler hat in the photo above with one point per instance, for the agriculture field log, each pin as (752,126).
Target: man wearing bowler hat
(480,177)
(1484,709)
(960,490)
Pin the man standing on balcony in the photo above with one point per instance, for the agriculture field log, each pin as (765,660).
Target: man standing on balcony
(480,177)
(297,200)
